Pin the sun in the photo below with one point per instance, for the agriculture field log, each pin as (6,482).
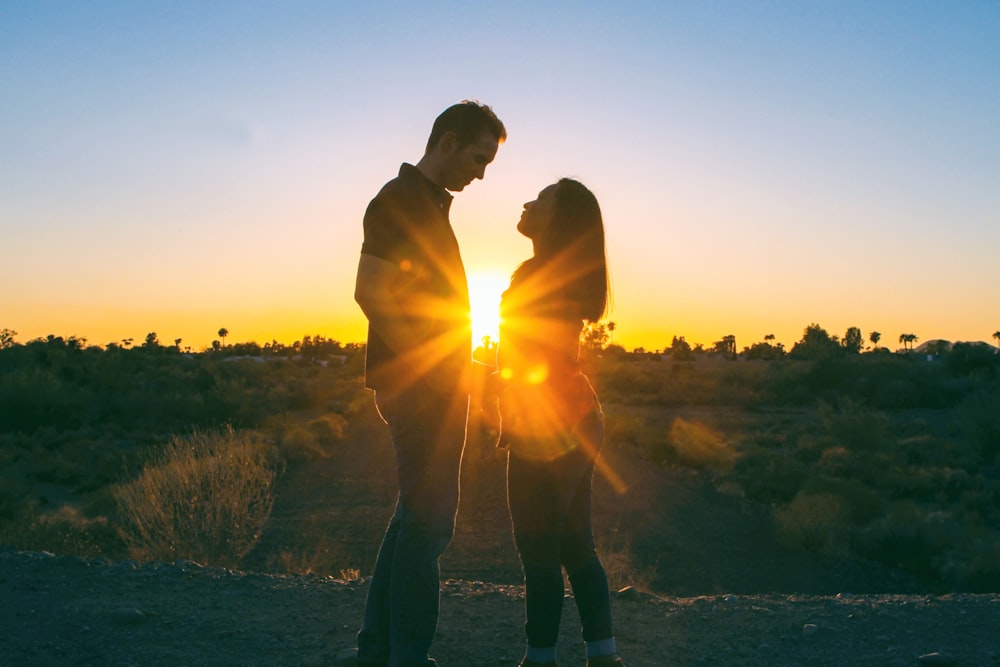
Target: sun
(484,296)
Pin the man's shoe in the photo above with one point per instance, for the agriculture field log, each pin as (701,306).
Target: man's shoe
(605,661)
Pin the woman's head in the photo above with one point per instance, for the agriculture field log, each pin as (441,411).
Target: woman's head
(566,227)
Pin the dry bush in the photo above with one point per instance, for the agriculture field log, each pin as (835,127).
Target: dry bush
(615,552)
(814,521)
(698,446)
(325,558)
(300,444)
(854,426)
(203,497)
(330,427)
(312,440)
(62,531)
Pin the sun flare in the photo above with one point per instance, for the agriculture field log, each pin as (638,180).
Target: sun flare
(484,296)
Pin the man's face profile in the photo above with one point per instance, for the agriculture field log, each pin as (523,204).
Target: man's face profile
(468,162)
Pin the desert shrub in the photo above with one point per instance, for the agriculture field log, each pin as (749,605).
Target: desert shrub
(622,428)
(329,428)
(697,446)
(65,531)
(783,383)
(972,359)
(319,553)
(974,564)
(981,502)
(770,477)
(620,380)
(33,397)
(742,384)
(204,497)
(815,521)
(911,537)
(299,444)
(615,551)
(858,502)
(854,426)
(667,384)
(980,416)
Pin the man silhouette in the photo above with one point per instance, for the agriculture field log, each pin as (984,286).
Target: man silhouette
(412,287)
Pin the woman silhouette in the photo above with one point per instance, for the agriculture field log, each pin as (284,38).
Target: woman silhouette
(551,420)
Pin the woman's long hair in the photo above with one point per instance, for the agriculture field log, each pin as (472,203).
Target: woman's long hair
(570,267)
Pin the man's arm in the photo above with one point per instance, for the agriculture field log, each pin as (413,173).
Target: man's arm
(374,291)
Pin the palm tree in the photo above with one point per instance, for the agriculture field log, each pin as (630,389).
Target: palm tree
(996,334)
(223,332)
(875,337)
(908,339)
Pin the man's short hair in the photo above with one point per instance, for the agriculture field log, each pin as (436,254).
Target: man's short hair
(469,120)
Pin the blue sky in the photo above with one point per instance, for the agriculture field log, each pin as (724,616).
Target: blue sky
(178,167)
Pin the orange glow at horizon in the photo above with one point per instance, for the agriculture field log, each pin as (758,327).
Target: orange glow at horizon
(485,290)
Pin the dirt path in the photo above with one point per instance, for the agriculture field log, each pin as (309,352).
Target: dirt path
(667,530)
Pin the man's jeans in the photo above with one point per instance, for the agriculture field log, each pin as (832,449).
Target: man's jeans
(428,434)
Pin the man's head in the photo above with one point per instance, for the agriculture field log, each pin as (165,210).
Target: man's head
(463,141)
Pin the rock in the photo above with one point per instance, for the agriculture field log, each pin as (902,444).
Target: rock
(629,594)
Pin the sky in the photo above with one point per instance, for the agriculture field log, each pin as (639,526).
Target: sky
(178,167)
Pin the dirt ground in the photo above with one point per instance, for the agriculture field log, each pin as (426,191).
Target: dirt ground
(712,585)
(70,611)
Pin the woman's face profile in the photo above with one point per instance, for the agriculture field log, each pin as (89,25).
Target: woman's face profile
(537,214)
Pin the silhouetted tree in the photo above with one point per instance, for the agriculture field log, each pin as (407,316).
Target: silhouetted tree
(908,339)
(7,338)
(996,334)
(594,337)
(972,359)
(875,337)
(816,343)
(152,342)
(764,351)
(726,346)
(854,340)
(223,332)
(680,349)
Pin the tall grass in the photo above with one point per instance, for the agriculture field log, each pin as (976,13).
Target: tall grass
(203,497)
